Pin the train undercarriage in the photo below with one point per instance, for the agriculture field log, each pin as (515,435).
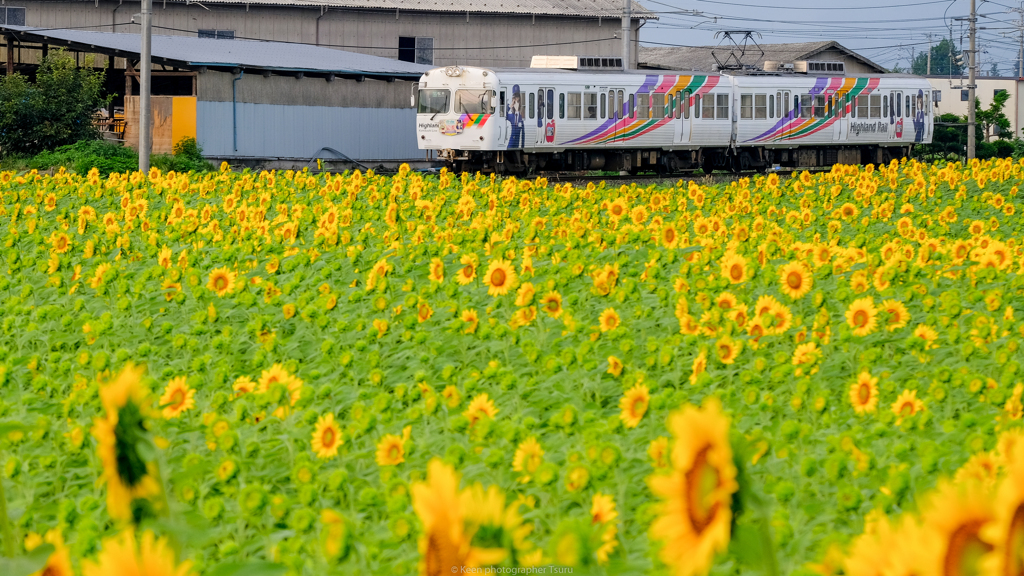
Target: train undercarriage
(658,161)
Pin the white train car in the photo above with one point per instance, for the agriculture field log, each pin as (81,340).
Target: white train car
(518,120)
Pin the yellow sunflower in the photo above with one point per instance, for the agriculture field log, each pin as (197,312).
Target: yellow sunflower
(59,562)
(898,314)
(609,320)
(1006,531)
(700,365)
(528,457)
(124,554)
(862,316)
(467,273)
(956,514)
(551,303)
(728,349)
(864,393)
(525,294)
(480,407)
(633,405)
(734,268)
(470,320)
(500,277)
(177,398)
(614,366)
(390,450)
(119,435)
(326,437)
(795,280)
(603,514)
(695,514)
(436,270)
(906,405)
(444,545)
(222,281)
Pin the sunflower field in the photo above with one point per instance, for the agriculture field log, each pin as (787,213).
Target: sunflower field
(296,373)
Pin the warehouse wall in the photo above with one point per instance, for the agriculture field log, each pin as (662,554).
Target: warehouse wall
(307,91)
(279,131)
(508,40)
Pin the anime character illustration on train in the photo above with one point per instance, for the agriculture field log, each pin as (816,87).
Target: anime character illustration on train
(919,118)
(514,114)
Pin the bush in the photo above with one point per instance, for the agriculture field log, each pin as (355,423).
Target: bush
(82,156)
(55,111)
(187,157)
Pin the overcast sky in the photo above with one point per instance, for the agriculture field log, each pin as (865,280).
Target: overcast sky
(887,33)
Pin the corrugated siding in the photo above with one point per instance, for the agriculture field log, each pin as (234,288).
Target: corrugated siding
(278,131)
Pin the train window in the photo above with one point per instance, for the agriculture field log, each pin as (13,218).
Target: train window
(746,106)
(912,106)
(885,106)
(604,105)
(533,104)
(684,103)
(708,107)
(819,106)
(561,105)
(551,104)
(908,106)
(574,107)
(696,106)
(862,107)
(899,104)
(434,101)
(722,107)
(643,105)
(806,105)
(474,102)
(875,108)
(760,106)
(778,104)
(590,105)
(670,105)
(540,104)
(658,105)
(619,111)
(784,96)
(796,104)
(632,106)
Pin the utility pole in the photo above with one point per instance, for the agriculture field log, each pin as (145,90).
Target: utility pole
(929,68)
(627,19)
(971,86)
(145,87)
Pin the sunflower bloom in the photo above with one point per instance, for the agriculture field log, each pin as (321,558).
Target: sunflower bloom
(862,316)
(499,278)
(444,545)
(326,437)
(864,393)
(956,514)
(734,268)
(480,407)
(906,405)
(898,314)
(694,517)
(436,270)
(124,554)
(390,450)
(551,304)
(609,320)
(795,280)
(222,281)
(528,457)
(633,405)
(177,398)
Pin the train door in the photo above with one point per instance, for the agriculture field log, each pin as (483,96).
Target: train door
(503,130)
(621,117)
(841,124)
(784,109)
(895,115)
(682,114)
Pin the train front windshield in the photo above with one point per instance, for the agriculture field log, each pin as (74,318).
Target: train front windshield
(434,101)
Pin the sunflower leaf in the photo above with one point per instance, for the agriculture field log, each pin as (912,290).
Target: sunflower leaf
(28,564)
(248,569)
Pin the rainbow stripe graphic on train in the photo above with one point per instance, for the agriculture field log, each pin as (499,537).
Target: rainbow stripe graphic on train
(625,128)
(474,120)
(793,127)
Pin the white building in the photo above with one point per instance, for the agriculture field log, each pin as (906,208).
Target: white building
(952,97)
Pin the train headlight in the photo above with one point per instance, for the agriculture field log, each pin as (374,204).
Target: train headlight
(453,71)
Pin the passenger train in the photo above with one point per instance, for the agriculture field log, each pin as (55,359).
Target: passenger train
(541,119)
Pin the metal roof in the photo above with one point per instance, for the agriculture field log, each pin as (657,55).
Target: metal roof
(190,52)
(700,58)
(571,8)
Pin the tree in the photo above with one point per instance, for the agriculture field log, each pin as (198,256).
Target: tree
(55,111)
(992,121)
(944,62)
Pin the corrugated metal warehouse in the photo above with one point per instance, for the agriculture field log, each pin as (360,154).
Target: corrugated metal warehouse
(271,103)
(495,33)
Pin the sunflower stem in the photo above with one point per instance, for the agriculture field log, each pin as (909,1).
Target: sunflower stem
(771,564)
(5,524)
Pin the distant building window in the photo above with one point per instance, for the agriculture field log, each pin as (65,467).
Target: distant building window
(964,95)
(998,91)
(217,34)
(12,16)
(419,49)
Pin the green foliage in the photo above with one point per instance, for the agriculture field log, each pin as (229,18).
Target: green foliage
(943,60)
(187,157)
(55,111)
(992,118)
(82,156)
